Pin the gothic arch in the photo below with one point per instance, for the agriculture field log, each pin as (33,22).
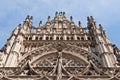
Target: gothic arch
(65,54)
(50,49)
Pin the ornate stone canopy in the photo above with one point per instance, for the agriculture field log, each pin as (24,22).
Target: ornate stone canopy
(54,49)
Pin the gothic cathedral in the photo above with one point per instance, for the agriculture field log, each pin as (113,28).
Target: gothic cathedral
(59,50)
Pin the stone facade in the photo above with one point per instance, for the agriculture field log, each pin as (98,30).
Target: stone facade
(59,50)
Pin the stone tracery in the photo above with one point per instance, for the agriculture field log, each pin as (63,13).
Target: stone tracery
(59,50)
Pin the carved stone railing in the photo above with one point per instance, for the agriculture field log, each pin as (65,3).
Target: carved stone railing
(77,73)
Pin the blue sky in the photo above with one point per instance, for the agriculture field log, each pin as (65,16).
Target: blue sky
(105,12)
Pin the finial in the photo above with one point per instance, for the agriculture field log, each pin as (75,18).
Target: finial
(40,23)
(79,23)
(91,17)
(100,26)
(48,18)
(60,12)
(19,25)
(27,17)
(31,17)
(88,18)
(63,13)
(71,18)
(56,13)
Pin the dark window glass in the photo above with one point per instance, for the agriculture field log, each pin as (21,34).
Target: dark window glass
(61,38)
(88,38)
(57,38)
(51,38)
(47,38)
(40,38)
(36,38)
(30,38)
(82,38)
(68,38)
(78,38)
(72,38)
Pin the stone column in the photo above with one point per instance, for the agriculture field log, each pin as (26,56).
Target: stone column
(13,56)
(105,55)
(59,66)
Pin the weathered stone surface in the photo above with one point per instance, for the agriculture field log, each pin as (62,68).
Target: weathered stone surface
(59,50)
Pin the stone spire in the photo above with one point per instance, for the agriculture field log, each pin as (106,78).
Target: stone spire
(63,13)
(48,18)
(40,23)
(91,23)
(71,18)
(56,13)
(79,24)
(27,24)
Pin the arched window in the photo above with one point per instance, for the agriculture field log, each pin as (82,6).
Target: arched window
(36,38)
(92,38)
(61,38)
(57,38)
(47,38)
(51,38)
(78,38)
(82,38)
(72,38)
(26,38)
(30,38)
(40,38)
(88,38)
(68,38)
